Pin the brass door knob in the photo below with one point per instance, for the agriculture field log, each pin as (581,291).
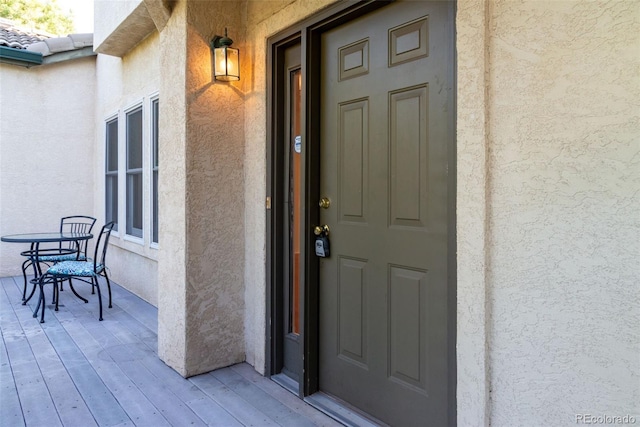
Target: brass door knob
(319,229)
(325,203)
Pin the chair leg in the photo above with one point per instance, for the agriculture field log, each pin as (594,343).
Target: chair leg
(106,276)
(35,311)
(41,301)
(36,272)
(56,292)
(33,291)
(76,293)
(96,283)
(25,265)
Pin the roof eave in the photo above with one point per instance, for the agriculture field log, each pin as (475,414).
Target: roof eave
(19,57)
(69,55)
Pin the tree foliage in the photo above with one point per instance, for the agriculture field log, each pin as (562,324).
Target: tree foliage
(43,15)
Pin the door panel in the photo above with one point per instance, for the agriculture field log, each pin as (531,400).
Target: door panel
(408,156)
(353,158)
(386,107)
(407,294)
(352,302)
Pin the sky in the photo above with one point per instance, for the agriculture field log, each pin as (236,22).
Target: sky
(82,14)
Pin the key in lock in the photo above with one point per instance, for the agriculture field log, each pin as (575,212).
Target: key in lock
(322,245)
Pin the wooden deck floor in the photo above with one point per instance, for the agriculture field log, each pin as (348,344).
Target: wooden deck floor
(76,371)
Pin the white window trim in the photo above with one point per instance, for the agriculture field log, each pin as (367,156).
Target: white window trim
(142,246)
(155,97)
(110,118)
(133,109)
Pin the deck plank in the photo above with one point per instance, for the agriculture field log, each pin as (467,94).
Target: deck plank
(162,387)
(10,409)
(238,407)
(37,405)
(144,313)
(69,403)
(73,370)
(103,405)
(285,396)
(261,400)
(133,401)
(179,399)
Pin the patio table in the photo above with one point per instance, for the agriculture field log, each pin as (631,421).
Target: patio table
(35,239)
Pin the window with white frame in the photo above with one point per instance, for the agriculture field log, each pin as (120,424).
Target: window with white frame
(155,110)
(134,180)
(131,170)
(111,172)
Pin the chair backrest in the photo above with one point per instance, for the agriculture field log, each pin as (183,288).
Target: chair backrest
(101,246)
(77,224)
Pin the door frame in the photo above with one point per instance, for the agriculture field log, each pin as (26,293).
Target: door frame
(308,33)
(275,213)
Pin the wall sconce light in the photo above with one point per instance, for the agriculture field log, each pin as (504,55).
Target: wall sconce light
(226,59)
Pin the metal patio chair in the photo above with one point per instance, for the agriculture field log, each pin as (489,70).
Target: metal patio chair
(65,252)
(88,271)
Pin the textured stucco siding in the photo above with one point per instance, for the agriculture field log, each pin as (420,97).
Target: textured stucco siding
(564,210)
(46,125)
(109,15)
(215,202)
(204,284)
(472,386)
(120,25)
(171,198)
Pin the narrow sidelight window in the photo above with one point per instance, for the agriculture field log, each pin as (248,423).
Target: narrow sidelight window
(111,174)
(294,189)
(154,170)
(134,173)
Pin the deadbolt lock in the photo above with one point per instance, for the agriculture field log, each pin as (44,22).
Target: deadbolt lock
(325,203)
(321,229)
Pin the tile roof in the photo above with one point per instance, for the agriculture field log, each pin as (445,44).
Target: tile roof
(62,44)
(11,35)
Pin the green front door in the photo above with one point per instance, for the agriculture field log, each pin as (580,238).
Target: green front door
(386,134)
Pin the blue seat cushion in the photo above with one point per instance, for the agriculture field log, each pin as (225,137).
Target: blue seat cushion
(60,258)
(75,268)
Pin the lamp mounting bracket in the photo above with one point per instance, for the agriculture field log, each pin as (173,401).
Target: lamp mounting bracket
(221,41)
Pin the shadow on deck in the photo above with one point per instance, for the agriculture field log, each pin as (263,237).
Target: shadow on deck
(76,371)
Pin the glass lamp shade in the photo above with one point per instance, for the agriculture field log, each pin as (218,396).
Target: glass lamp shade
(227,63)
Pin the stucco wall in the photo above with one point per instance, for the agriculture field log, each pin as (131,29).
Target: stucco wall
(46,125)
(563,209)
(124,83)
(208,154)
(171,198)
(215,203)
(109,15)
(120,25)
(472,386)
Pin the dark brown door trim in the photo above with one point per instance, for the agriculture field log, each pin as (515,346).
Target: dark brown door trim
(276,119)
